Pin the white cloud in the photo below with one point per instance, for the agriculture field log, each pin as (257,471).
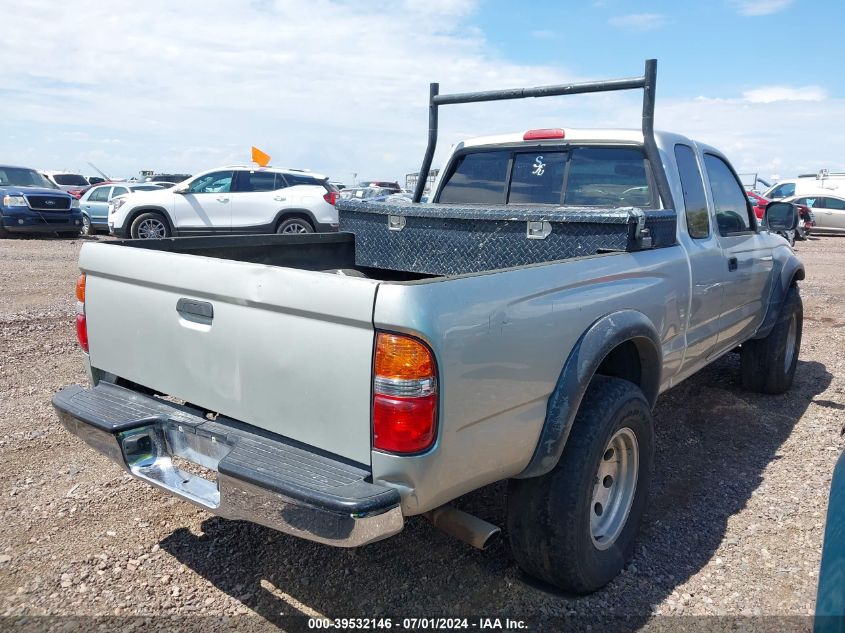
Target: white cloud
(330,85)
(638,21)
(759,7)
(324,84)
(770,94)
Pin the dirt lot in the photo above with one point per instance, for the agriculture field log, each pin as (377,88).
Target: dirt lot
(734,526)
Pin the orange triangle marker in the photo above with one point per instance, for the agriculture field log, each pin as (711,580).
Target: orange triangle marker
(260,157)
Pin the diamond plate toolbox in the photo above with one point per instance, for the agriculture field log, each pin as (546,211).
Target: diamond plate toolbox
(439,239)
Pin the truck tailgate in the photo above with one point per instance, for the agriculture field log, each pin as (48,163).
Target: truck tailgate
(286,350)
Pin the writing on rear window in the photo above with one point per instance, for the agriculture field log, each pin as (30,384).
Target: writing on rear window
(581,176)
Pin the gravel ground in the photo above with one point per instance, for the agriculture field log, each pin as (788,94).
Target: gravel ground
(734,525)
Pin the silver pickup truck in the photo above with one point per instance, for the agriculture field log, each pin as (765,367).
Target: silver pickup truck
(274,379)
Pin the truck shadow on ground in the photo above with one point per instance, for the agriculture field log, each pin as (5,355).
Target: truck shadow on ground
(714,440)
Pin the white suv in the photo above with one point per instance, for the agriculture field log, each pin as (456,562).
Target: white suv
(232,199)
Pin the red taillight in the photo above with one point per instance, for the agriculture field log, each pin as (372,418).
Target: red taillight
(403,425)
(535,135)
(82,332)
(405,395)
(81,323)
(331,197)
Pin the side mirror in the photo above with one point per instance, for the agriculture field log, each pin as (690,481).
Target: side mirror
(180,190)
(781,216)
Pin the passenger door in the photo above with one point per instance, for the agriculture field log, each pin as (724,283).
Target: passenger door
(747,256)
(707,262)
(257,198)
(832,213)
(205,206)
(96,205)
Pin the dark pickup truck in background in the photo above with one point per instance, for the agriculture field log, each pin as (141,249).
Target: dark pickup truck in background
(29,203)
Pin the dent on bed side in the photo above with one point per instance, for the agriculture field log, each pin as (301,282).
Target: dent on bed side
(602,337)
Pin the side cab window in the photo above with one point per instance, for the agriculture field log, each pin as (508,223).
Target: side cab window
(733,213)
(695,201)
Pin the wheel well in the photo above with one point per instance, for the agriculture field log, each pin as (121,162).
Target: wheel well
(302,215)
(636,361)
(134,215)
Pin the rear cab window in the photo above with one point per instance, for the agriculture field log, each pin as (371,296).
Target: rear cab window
(576,176)
(695,201)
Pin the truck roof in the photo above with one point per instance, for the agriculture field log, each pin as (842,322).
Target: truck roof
(577,135)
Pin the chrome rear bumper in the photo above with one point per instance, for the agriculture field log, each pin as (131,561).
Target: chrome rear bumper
(230,469)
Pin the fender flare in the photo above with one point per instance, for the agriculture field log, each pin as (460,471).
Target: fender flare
(605,334)
(784,274)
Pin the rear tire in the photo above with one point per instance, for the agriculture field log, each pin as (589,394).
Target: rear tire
(293,226)
(575,527)
(149,226)
(87,229)
(767,365)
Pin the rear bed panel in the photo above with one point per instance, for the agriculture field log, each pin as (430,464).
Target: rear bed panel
(288,351)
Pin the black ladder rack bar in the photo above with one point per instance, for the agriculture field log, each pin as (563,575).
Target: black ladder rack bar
(648,83)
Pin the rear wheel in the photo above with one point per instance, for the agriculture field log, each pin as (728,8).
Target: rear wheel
(767,365)
(149,226)
(295,225)
(575,526)
(87,229)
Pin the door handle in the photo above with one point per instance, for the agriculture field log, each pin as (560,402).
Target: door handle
(192,310)
(222,199)
(279,198)
(732,263)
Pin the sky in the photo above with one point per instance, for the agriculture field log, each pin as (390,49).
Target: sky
(341,87)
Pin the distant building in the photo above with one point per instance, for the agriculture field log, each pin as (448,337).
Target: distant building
(411,180)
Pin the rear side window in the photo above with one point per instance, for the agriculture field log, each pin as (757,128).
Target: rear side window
(251,181)
(729,198)
(480,178)
(100,194)
(297,179)
(695,202)
(119,191)
(606,176)
(537,178)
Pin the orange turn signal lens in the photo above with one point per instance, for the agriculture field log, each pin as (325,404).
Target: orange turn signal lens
(80,288)
(402,357)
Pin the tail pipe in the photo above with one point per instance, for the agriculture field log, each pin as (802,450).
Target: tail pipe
(463,526)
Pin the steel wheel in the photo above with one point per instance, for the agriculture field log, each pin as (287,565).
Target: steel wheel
(614,489)
(151,228)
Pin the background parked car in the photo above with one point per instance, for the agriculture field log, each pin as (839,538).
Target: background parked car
(366,193)
(828,211)
(94,203)
(74,184)
(393,186)
(232,199)
(29,203)
(96,180)
(805,225)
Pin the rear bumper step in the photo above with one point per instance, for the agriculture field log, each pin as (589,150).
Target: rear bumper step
(260,477)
